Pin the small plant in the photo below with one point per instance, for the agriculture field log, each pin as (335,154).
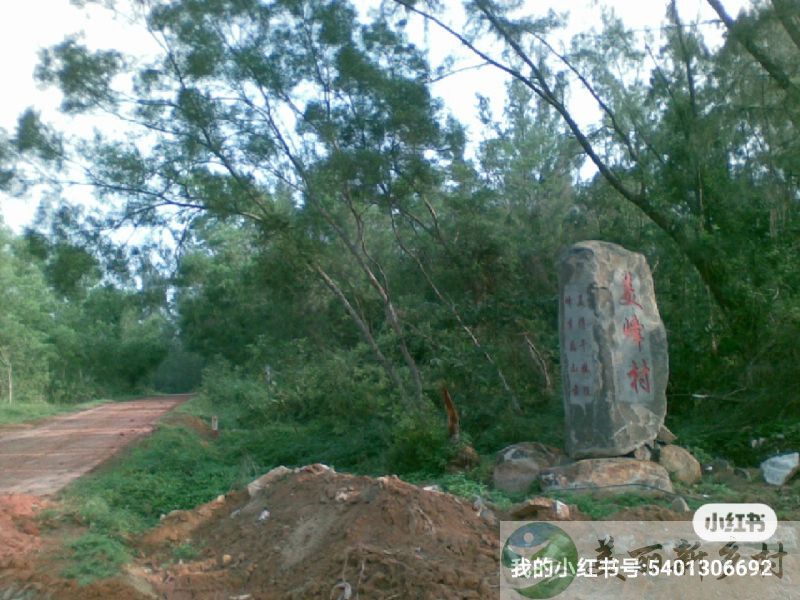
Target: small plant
(419,445)
(185,551)
(48,518)
(95,556)
(460,485)
(599,507)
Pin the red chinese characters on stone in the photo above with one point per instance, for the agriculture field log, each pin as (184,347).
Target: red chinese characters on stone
(639,376)
(628,293)
(633,329)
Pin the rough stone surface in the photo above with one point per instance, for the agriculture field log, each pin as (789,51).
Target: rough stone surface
(642,453)
(680,505)
(680,464)
(777,470)
(517,466)
(614,361)
(665,436)
(540,509)
(608,476)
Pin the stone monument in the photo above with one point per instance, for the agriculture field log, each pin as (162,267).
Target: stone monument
(614,360)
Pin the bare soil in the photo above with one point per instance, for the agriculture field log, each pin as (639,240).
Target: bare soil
(315,534)
(43,458)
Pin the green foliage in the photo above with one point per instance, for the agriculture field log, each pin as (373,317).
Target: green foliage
(20,412)
(419,445)
(179,372)
(185,551)
(600,507)
(170,470)
(340,267)
(465,486)
(238,397)
(95,556)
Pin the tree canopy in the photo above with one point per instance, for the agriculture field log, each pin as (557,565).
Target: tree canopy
(339,232)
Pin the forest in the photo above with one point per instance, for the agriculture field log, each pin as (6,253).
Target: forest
(317,245)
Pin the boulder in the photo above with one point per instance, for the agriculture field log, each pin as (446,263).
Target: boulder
(779,469)
(540,509)
(642,453)
(614,361)
(518,466)
(680,464)
(665,436)
(608,476)
(680,505)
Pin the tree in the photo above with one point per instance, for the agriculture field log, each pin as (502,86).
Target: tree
(25,350)
(251,100)
(668,144)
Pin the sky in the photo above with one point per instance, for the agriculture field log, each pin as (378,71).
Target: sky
(30,25)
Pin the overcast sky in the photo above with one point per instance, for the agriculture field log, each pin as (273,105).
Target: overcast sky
(29,25)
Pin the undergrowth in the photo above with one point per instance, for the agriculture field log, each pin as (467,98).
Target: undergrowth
(183,465)
(20,412)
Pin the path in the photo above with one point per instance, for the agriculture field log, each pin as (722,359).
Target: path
(43,458)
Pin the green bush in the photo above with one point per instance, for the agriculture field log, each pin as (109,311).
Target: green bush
(419,445)
(232,392)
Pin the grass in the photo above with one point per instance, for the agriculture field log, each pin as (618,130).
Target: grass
(600,507)
(181,466)
(95,556)
(21,412)
(185,551)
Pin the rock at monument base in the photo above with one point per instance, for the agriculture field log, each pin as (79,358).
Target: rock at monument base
(518,466)
(541,509)
(779,469)
(642,453)
(608,476)
(680,464)
(665,436)
(679,505)
(614,360)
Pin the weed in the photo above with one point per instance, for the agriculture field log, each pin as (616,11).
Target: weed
(599,507)
(185,551)
(95,556)
(462,485)
(32,411)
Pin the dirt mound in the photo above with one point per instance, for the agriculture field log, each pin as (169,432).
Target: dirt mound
(315,533)
(19,534)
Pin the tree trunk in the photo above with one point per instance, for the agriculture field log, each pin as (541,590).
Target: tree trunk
(363,328)
(6,359)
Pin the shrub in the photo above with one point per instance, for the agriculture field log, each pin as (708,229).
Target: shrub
(419,445)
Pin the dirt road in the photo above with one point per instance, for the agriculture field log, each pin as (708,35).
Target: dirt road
(42,459)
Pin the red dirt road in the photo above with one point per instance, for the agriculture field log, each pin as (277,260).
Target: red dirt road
(42,459)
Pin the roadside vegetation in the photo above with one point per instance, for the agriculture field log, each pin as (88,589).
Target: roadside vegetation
(323,277)
(23,412)
(183,464)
